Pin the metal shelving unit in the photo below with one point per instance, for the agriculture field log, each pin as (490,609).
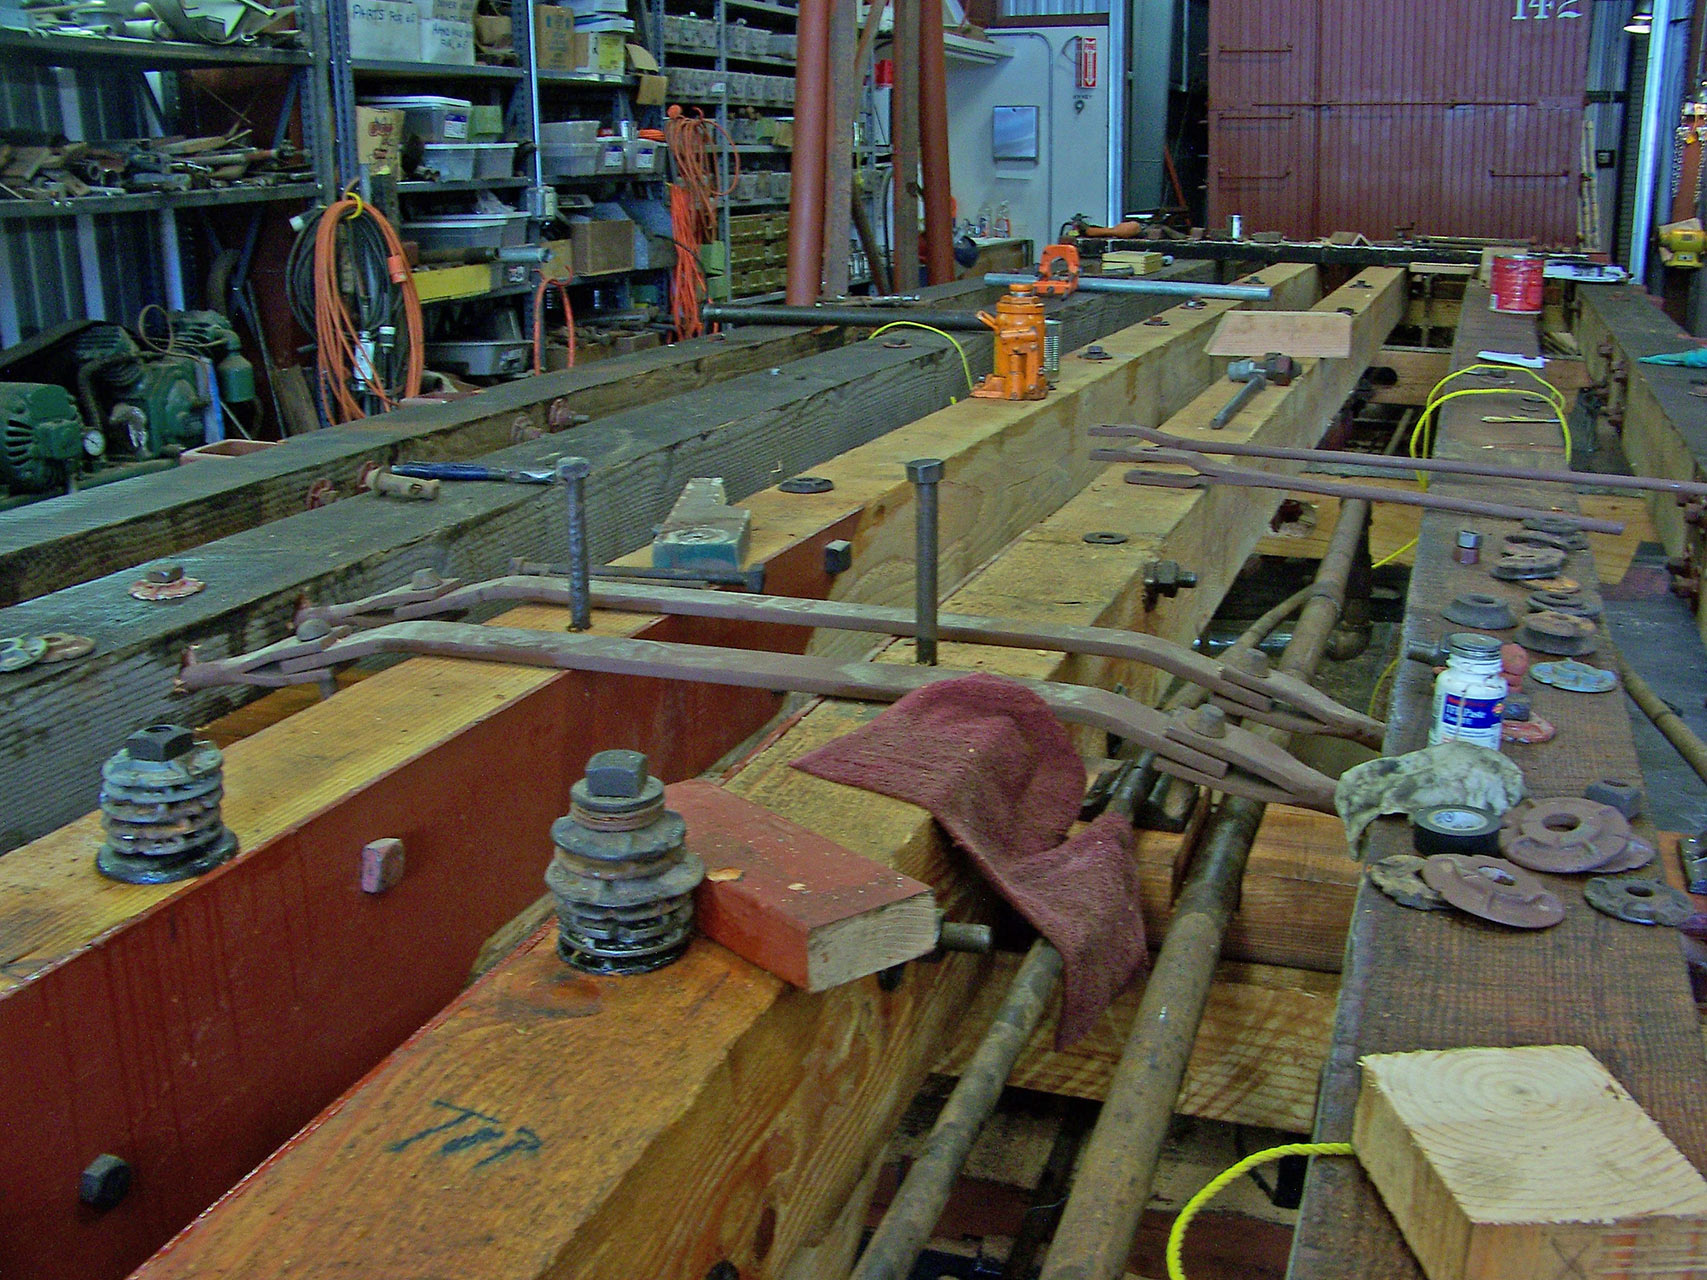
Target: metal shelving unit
(85,206)
(161,55)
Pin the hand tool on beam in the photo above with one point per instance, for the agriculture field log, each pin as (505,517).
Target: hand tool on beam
(471,471)
(1224,757)
(1244,685)
(1209,475)
(1273,370)
(1391,462)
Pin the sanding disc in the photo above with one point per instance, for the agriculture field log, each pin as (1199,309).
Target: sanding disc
(1563,836)
(1455,828)
(1493,889)
(1638,900)
(1400,878)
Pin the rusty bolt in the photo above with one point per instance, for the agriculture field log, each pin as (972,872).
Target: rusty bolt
(1693,512)
(1165,578)
(159,742)
(310,629)
(382,864)
(1207,720)
(104,1183)
(164,574)
(1253,662)
(619,774)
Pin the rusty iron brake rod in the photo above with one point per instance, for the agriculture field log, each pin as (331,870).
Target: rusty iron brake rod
(1209,475)
(1392,462)
(1243,687)
(1236,760)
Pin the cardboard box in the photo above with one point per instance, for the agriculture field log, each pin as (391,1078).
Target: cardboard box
(379,137)
(604,52)
(448,42)
(493,34)
(602,247)
(385,30)
(783,134)
(651,91)
(485,124)
(554,45)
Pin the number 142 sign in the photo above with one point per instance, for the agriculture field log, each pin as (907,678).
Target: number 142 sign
(1542,10)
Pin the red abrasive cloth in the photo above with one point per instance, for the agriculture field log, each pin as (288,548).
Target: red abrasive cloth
(987,759)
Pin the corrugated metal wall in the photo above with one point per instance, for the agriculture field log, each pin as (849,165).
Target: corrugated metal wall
(1446,118)
(42,277)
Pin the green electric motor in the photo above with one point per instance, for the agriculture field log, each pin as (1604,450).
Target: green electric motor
(42,437)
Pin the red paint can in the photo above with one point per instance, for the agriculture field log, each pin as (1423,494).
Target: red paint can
(1514,285)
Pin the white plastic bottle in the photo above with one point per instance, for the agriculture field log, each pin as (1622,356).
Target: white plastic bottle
(1469,693)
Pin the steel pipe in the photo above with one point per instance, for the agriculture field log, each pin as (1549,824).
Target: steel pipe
(926,475)
(906,1225)
(1164,288)
(1096,1233)
(933,146)
(1392,462)
(873,317)
(806,195)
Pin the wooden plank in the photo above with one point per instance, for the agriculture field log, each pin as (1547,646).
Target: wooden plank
(797,905)
(49,545)
(1471,1151)
(305,796)
(1391,527)
(752,430)
(756,1114)
(1257,1060)
(1432,980)
(1418,369)
(1325,334)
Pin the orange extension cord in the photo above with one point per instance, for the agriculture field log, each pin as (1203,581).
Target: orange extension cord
(693,210)
(539,320)
(335,331)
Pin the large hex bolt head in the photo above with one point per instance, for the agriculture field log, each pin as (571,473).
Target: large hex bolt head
(159,742)
(104,1183)
(925,470)
(618,774)
(573,468)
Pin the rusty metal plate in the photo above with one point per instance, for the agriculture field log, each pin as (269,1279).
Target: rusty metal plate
(1638,900)
(1563,836)
(1400,878)
(1493,889)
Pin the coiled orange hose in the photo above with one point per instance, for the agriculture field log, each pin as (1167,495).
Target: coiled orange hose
(693,210)
(539,321)
(343,360)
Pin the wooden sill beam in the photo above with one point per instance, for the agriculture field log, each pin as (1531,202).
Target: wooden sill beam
(291,981)
(706,1113)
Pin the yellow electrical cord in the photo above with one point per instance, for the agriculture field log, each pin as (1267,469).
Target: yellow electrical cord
(1422,442)
(965,365)
(1176,1237)
(1394,554)
(1380,680)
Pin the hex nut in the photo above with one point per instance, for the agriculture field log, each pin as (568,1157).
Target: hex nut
(382,864)
(573,468)
(164,574)
(1626,797)
(104,1183)
(618,774)
(1208,720)
(159,742)
(838,556)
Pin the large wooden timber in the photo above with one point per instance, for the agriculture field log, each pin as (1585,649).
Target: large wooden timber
(754,430)
(289,981)
(707,1113)
(52,544)
(1664,429)
(1437,980)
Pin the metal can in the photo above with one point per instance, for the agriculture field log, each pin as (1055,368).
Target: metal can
(1469,546)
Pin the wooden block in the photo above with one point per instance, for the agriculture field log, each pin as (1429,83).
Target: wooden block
(794,903)
(1531,1162)
(1324,334)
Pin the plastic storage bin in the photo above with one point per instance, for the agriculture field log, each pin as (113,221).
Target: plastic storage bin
(569,159)
(556,131)
(468,231)
(493,159)
(433,119)
(452,161)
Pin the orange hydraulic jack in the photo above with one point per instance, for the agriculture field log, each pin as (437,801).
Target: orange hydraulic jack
(1018,324)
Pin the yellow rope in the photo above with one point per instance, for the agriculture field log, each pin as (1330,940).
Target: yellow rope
(965,365)
(1421,440)
(1176,1237)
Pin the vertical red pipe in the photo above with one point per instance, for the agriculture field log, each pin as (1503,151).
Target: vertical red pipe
(811,111)
(933,145)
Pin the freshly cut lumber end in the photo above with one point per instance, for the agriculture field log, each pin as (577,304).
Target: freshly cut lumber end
(1531,1161)
(795,903)
(1325,334)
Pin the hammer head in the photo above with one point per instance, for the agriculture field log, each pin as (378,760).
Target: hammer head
(1274,368)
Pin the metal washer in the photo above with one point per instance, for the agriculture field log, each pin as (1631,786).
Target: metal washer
(1638,900)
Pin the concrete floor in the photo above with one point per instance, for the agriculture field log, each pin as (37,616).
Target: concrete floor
(1657,635)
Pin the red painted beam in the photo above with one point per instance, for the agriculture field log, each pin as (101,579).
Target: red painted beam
(202,1033)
